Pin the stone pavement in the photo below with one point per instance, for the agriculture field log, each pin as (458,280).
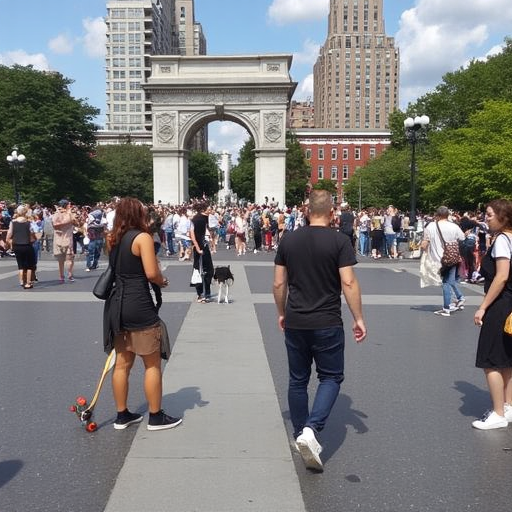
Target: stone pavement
(232,452)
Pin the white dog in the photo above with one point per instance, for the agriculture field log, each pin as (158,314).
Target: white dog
(225,279)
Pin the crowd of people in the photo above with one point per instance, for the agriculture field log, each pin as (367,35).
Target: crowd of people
(193,231)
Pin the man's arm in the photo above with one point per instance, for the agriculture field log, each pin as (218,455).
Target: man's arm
(280,290)
(352,294)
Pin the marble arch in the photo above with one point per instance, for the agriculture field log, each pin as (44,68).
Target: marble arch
(189,92)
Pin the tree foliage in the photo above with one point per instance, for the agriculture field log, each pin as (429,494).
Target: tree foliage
(466,161)
(324,184)
(53,130)
(203,174)
(126,170)
(297,171)
(243,174)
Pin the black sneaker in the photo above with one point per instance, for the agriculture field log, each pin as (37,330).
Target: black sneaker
(160,421)
(126,418)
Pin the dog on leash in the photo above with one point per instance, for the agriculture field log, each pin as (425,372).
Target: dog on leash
(225,279)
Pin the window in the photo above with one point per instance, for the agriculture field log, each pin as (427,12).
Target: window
(334,172)
(320,153)
(345,172)
(308,154)
(320,172)
(119,86)
(334,154)
(373,152)
(345,153)
(357,153)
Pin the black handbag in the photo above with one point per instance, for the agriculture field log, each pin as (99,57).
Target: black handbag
(105,282)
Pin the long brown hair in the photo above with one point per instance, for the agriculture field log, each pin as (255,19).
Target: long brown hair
(502,208)
(130,214)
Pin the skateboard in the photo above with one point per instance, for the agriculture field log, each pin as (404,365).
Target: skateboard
(84,410)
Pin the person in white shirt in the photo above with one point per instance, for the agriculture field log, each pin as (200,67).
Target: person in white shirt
(433,242)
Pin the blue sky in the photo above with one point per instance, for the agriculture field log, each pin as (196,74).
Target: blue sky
(434,36)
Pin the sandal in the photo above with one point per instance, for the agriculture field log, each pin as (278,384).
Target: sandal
(28,286)
(202,300)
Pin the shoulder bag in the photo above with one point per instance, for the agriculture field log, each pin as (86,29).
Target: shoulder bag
(105,282)
(451,252)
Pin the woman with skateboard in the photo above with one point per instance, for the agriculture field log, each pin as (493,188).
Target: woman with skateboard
(494,353)
(131,315)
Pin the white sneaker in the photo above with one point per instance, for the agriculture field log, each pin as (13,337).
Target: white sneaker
(460,303)
(490,420)
(310,449)
(508,412)
(443,312)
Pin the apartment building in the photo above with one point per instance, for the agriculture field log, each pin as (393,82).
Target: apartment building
(356,76)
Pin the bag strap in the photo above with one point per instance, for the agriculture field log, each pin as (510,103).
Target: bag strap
(440,234)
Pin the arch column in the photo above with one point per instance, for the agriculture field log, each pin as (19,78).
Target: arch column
(170,175)
(270,175)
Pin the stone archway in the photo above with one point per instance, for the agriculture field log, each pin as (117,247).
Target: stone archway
(189,92)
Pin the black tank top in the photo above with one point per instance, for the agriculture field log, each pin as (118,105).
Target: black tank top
(20,232)
(138,311)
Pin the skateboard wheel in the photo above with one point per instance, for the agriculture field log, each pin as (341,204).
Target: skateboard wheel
(91,427)
(72,408)
(81,401)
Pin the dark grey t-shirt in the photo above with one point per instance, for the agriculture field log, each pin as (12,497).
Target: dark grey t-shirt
(313,256)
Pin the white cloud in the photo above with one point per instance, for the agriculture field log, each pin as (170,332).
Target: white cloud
(282,12)
(226,136)
(304,89)
(309,53)
(95,37)
(437,36)
(21,57)
(62,45)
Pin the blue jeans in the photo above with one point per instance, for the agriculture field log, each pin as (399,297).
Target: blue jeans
(93,252)
(326,348)
(169,236)
(450,283)
(364,243)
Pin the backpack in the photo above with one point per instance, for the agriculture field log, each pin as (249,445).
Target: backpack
(396,223)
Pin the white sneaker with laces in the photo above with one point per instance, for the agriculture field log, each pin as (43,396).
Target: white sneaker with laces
(508,412)
(310,449)
(490,420)
(443,312)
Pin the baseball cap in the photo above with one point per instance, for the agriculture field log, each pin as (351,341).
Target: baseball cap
(63,203)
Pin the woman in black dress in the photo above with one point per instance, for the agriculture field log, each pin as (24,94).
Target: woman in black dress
(494,353)
(133,316)
(21,236)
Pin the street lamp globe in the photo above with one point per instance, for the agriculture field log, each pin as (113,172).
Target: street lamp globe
(16,161)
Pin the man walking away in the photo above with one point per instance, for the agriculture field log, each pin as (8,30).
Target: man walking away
(313,265)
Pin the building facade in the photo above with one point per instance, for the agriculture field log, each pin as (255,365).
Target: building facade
(136,29)
(191,40)
(356,76)
(337,154)
(301,114)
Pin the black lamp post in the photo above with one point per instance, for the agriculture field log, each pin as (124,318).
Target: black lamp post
(16,162)
(415,131)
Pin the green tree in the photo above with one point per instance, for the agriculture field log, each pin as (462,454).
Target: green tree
(297,171)
(243,174)
(384,180)
(203,174)
(126,170)
(473,164)
(53,130)
(324,184)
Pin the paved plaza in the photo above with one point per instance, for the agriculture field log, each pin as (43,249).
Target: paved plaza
(399,437)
